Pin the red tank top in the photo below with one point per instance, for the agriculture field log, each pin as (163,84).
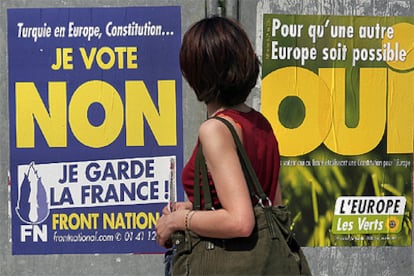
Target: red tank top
(261,146)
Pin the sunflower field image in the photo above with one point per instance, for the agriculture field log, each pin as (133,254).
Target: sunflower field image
(338,91)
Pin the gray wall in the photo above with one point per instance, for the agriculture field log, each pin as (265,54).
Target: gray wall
(323,261)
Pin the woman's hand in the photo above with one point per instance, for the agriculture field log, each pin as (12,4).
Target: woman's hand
(186,205)
(168,223)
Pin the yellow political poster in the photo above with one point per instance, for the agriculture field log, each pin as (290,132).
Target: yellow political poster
(338,91)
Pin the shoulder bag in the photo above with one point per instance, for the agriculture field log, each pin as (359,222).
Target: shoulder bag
(271,249)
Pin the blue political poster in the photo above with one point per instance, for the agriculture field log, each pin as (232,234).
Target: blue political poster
(95,127)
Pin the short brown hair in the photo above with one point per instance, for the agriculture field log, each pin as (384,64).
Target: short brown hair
(218,61)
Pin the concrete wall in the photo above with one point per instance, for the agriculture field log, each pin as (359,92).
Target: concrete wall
(323,261)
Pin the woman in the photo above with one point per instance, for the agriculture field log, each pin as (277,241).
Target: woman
(218,61)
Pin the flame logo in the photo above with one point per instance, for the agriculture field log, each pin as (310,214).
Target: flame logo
(32,206)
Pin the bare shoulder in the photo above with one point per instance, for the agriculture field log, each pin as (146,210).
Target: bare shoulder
(214,133)
(212,127)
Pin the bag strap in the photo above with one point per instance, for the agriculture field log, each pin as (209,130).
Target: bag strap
(252,181)
(200,165)
(197,197)
(250,174)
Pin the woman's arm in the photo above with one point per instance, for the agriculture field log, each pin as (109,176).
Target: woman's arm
(236,218)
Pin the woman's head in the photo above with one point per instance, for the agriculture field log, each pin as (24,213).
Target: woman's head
(218,61)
